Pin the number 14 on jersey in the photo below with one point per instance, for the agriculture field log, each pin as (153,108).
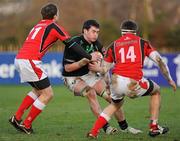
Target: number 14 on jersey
(129,55)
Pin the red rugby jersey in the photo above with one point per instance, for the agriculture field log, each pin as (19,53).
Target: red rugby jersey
(128,54)
(40,39)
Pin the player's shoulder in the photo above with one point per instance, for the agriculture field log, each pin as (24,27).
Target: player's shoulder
(144,40)
(147,44)
(52,24)
(77,38)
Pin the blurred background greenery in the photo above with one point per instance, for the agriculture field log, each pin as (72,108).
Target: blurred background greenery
(159,20)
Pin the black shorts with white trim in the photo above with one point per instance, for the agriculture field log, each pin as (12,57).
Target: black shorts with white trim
(42,84)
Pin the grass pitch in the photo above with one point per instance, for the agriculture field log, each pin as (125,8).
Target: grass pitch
(68,118)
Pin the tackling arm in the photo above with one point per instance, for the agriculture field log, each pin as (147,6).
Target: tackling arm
(70,43)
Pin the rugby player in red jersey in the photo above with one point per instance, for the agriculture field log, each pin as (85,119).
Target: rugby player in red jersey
(29,65)
(128,53)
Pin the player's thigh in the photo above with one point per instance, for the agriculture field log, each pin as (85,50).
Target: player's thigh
(119,87)
(41,84)
(153,88)
(42,87)
(76,85)
(91,79)
(43,90)
(100,86)
(145,87)
(124,86)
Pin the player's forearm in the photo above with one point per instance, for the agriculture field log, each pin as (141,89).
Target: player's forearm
(72,67)
(156,57)
(76,65)
(164,69)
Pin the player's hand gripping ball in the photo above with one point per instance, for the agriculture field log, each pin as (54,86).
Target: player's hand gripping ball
(95,64)
(97,56)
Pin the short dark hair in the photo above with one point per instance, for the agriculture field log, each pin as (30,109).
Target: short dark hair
(49,11)
(129,25)
(87,24)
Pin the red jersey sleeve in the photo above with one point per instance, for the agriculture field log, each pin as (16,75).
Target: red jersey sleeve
(108,57)
(60,32)
(148,48)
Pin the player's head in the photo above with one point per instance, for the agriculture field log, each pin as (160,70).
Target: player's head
(49,11)
(129,26)
(90,30)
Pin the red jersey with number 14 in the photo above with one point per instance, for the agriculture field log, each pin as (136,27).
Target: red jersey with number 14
(128,54)
(40,39)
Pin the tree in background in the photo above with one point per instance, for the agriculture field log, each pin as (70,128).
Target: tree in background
(156,18)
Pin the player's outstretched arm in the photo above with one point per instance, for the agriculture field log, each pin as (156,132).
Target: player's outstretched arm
(156,57)
(72,44)
(173,84)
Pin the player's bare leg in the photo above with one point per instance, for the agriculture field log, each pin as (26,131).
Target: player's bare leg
(81,89)
(93,102)
(37,107)
(155,102)
(104,118)
(103,91)
(100,88)
(29,99)
(45,95)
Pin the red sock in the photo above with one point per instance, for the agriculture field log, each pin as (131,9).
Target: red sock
(153,124)
(36,109)
(100,122)
(26,103)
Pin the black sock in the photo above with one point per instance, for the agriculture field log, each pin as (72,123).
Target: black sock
(106,126)
(123,124)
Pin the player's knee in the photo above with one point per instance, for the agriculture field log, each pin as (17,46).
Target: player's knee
(49,93)
(91,93)
(108,99)
(156,90)
(105,95)
(86,91)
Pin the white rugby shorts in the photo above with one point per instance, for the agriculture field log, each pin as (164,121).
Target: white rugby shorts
(120,87)
(90,79)
(30,70)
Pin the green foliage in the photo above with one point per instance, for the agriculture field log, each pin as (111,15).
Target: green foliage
(109,32)
(68,118)
(111,13)
(173,37)
(11,40)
